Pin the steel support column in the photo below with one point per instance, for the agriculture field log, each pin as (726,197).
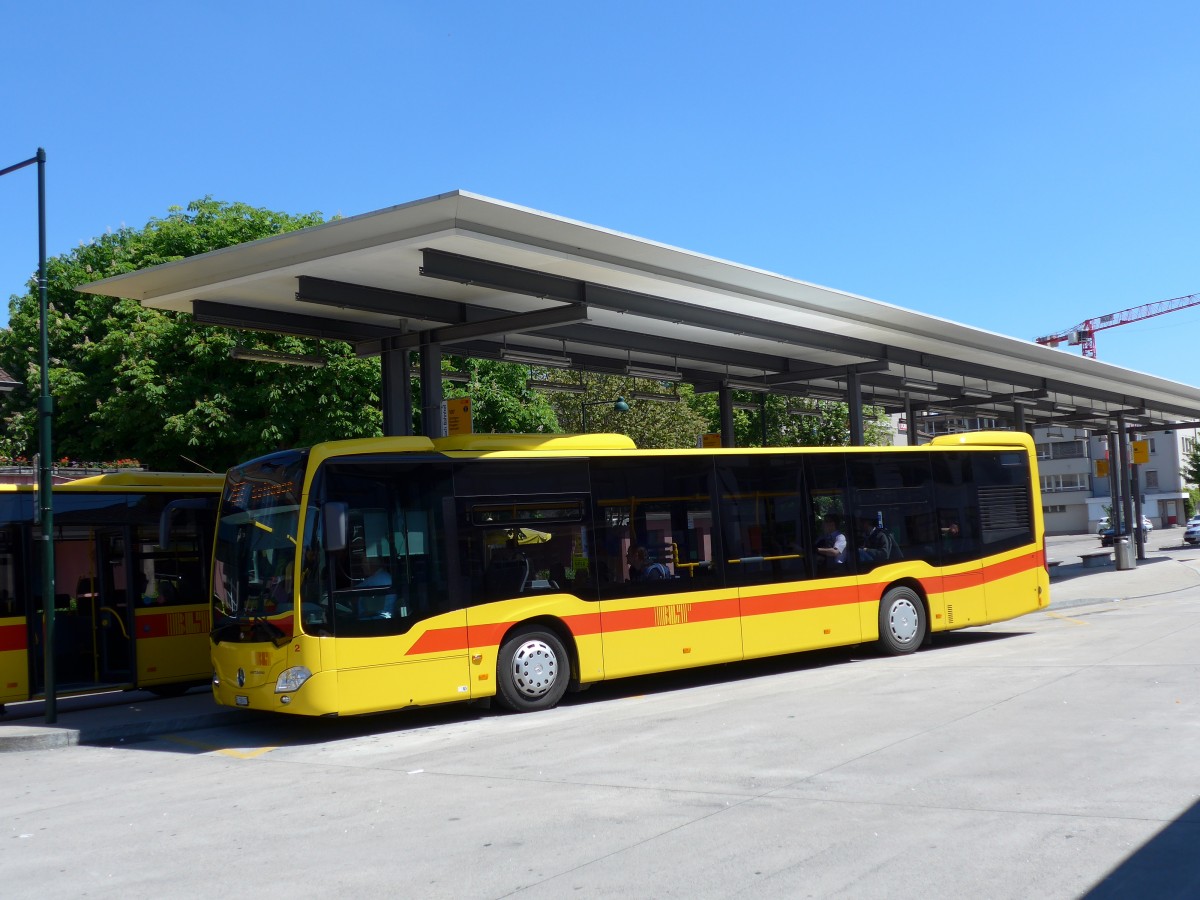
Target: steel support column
(1127,499)
(1018,417)
(725,402)
(1114,473)
(396,393)
(854,401)
(431,388)
(1136,521)
(909,423)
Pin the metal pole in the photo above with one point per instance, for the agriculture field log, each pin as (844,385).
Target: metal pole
(1137,512)
(1127,500)
(45,479)
(1114,467)
(854,401)
(762,413)
(431,387)
(1136,521)
(45,498)
(725,402)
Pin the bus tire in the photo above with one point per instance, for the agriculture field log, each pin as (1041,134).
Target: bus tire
(902,621)
(532,670)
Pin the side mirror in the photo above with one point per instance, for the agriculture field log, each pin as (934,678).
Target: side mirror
(335,515)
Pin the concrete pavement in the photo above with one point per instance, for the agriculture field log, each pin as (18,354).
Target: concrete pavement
(1169,569)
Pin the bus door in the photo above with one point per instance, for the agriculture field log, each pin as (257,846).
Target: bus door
(770,547)
(14,636)
(962,601)
(92,637)
(113,608)
(664,602)
(171,613)
(401,638)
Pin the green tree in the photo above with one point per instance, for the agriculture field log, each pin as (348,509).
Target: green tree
(500,399)
(792,422)
(651,424)
(155,386)
(1191,465)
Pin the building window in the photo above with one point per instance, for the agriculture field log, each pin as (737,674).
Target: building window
(1043,451)
(1055,483)
(1069,450)
(1151,445)
(1047,510)
(1151,478)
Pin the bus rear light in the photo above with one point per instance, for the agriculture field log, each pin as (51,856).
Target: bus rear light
(291,679)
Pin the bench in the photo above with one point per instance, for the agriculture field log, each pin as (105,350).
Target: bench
(1052,563)
(1096,558)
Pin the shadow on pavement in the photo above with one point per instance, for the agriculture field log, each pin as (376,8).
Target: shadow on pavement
(261,731)
(1165,866)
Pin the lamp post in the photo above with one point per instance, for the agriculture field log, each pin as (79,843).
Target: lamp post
(45,494)
(618,405)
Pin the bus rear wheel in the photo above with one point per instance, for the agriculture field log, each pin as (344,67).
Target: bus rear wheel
(532,671)
(902,621)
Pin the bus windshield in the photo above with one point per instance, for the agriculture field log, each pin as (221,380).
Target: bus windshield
(254,568)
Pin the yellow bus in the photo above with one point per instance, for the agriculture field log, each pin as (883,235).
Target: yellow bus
(361,576)
(131,557)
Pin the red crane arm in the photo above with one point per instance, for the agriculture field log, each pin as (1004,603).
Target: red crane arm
(1085,332)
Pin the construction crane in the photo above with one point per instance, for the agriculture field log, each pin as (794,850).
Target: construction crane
(1085,332)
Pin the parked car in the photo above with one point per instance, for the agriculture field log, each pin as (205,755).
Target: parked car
(1102,525)
(1106,533)
(1192,535)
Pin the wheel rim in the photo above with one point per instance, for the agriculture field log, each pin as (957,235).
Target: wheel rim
(903,620)
(534,669)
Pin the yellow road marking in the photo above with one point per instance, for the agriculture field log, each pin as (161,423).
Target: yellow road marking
(1067,619)
(224,751)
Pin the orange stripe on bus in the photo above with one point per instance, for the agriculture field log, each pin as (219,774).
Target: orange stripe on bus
(443,640)
(13,637)
(797,600)
(440,640)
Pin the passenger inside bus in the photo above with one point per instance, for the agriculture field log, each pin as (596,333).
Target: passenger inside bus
(831,547)
(641,569)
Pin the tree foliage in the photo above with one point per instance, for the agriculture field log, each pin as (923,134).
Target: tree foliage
(1191,465)
(651,424)
(500,399)
(128,381)
(780,421)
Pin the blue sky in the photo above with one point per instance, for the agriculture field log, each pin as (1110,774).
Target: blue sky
(1017,166)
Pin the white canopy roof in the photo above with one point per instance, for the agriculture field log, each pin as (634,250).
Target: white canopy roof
(482,277)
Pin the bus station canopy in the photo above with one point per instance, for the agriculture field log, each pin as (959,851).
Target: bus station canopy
(467,275)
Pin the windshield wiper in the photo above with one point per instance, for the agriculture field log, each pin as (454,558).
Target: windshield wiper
(231,630)
(280,638)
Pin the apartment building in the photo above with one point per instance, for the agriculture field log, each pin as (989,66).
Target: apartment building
(1161,483)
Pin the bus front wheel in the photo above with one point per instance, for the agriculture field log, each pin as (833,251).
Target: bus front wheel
(532,671)
(901,621)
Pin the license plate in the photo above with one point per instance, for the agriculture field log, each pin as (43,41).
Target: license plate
(241,700)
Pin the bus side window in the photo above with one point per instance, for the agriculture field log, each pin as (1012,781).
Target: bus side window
(957,503)
(393,570)
(527,545)
(764,519)
(655,526)
(828,512)
(893,514)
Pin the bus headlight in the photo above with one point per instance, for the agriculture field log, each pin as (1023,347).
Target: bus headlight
(291,679)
